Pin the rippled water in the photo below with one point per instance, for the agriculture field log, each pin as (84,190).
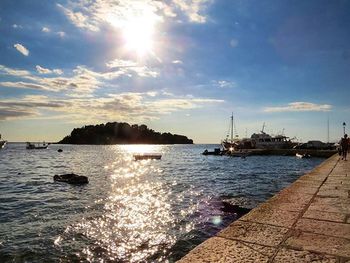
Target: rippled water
(131,211)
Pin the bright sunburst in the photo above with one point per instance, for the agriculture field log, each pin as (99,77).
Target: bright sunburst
(138,34)
(138,27)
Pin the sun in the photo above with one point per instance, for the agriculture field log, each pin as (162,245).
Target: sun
(137,24)
(138,35)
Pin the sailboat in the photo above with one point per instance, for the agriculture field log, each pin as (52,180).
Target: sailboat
(232,140)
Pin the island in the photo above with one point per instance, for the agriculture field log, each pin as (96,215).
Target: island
(121,133)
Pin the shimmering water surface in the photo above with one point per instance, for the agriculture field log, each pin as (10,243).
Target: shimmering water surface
(131,211)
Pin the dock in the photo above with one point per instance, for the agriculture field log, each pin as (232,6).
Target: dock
(280,152)
(309,221)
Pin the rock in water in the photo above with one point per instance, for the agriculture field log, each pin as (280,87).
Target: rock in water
(71,179)
(233,208)
(60,150)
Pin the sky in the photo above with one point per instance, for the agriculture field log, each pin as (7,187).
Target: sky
(179,66)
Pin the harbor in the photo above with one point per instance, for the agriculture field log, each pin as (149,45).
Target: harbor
(281,152)
(191,131)
(305,222)
(262,143)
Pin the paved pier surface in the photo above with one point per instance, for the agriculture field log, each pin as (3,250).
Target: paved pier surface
(309,221)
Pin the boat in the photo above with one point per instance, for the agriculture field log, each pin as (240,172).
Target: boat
(232,139)
(302,156)
(240,153)
(264,140)
(2,143)
(216,151)
(32,146)
(147,156)
(261,140)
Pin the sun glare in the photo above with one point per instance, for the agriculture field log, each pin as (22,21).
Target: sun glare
(138,35)
(138,26)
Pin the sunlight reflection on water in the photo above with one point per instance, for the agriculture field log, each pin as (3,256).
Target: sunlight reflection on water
(131,211)
(137,212)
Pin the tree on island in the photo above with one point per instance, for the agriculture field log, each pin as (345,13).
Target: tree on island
(121,133)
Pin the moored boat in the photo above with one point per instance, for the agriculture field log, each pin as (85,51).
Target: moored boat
(2,143)
(302,156)
(147,156)
(33,146)
(232,140)
(264,140)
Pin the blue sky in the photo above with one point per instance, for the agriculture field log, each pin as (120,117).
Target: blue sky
(180,66)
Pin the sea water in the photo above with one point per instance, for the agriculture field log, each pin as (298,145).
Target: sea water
(131,211)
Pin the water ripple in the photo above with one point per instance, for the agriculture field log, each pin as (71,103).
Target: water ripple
(131,211)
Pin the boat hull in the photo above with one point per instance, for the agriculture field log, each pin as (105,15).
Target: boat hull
(147,157)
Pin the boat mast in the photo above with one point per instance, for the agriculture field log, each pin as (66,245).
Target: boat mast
(232,127)
(328,129)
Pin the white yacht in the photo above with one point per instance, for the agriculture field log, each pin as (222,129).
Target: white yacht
(260,140)
(263,140)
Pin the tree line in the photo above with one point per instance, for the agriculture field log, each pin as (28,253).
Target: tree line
(121,133)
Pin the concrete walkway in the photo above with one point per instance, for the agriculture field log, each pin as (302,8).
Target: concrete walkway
(309,221)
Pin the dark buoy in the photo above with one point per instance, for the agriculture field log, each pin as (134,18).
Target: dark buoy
(60,150)
(71,179)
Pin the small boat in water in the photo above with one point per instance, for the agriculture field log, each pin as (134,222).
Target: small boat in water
(302,156)
(216,151)
(32,146)
(147,156)
(2,143)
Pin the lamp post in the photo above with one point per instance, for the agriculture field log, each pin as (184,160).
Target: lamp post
(344,124)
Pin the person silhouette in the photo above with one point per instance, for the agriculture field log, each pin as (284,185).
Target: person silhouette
(344,144)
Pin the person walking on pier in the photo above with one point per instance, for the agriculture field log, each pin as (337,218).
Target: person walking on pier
(344,144)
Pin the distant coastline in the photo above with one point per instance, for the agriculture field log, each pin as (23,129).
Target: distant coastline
(121,133)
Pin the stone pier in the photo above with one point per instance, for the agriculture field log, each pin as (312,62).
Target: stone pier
(309,221)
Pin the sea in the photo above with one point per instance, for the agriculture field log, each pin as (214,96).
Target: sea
(131,211)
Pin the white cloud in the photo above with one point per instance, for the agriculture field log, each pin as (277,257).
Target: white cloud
(46,29)
(234,42)
(43,70)
(61,34)
(80,80)
(129,67)
(28,107)
(299,106)
(193,9)
(79,19)
(22,49)
(16,26)
(13,72)
(224,83)
(124,107)
(91,15)
(22,85)
(120,63)
(57,71)
(177,62)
